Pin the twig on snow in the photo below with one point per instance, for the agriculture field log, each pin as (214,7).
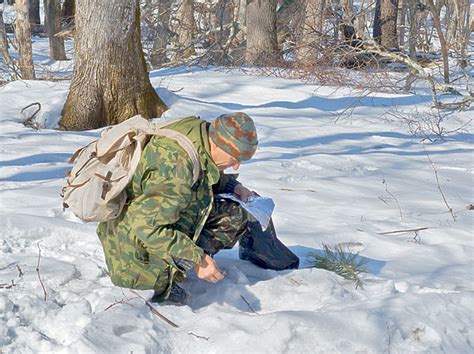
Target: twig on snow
(394,198)
(155,311)
(403,231)
(20,272)
(197,336)
(248,304)
(450,210)
(123,301)
(30,122)
(39,275)
(7,286)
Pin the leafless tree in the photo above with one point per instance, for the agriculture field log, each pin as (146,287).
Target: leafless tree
(23,36)
(261,31)
(68,11)
(185,29)
(53,24)
(156,15)
(4,49)
(435,13)
(34,14)
(110,81)
(311,30)
(385,23)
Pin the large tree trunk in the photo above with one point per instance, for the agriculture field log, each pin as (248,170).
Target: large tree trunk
(311,30)
(385,23)
(67,13)
(34,14)
(261,31)
(52,9)
(110,82)
(185,30)
(23,36)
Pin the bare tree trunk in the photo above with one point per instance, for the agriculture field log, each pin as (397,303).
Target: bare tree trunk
(224,16)
(401,22)
(68,11)
(110,82)
(261,31)
(311,30)
(377,25)
(413,35)
(4,48)
(157,14)
(463,30)
(23,36)
(34,14)
(385,23)
(185,29)
(361,22)
(442,41)
(52,9)
(241,10)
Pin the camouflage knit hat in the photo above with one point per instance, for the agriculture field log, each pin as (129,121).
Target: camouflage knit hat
(235,133)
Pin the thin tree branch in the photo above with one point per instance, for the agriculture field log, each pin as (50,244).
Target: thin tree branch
(248,304)
(439,186)
(39,275)
(403,231)
(155,311)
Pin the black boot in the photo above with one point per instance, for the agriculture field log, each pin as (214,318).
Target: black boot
(265,250)
(177,296)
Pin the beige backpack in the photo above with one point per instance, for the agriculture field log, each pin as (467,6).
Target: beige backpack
(95,187)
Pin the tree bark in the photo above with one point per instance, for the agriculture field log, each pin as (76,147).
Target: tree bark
(361,21)
(34,13)
(240,17)
(110,82)
(23,36)
(385,23)
(185,30)
(68,12)
(311,30)
(261,32)
(402,21)
(157,14)
(52,9)
(414,28)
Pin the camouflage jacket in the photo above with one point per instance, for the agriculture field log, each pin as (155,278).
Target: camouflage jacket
(166,213)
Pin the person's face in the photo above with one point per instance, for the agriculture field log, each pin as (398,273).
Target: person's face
(222,159)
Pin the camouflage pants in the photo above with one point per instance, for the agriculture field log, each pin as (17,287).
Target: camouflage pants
(225,225)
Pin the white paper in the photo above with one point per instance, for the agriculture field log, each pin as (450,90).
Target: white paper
(261,208)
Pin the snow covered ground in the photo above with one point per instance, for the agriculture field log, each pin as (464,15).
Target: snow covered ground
(335,180)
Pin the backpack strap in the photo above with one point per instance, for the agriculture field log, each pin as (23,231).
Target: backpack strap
(186,144)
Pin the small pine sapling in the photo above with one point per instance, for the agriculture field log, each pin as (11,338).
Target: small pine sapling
(347,265)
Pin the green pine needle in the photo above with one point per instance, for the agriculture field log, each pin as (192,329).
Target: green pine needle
(347,265)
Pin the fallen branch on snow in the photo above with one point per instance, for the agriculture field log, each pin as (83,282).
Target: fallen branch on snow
(39,275)
(155,311)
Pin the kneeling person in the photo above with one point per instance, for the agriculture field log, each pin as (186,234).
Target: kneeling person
(171,225)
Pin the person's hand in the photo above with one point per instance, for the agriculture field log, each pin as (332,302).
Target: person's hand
(243,193)
(208,270)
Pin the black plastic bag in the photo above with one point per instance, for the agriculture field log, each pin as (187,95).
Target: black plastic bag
(265,250)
